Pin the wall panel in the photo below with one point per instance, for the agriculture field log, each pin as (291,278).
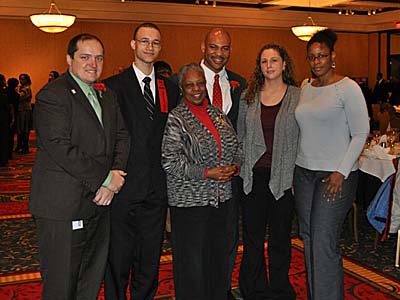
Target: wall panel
(24,48)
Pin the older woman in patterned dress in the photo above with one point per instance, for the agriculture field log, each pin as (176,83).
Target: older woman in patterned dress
(200,155)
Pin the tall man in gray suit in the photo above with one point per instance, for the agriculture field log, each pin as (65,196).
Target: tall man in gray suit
(82,152)
(224,88)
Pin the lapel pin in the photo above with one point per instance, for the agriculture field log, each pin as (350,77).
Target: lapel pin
(73,91)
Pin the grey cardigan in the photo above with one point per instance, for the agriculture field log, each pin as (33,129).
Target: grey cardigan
(188,149)
(286,136)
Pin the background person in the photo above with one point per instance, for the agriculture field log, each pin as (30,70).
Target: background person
(200,154)
(13,97)
(24,114)
(269,133)
(6,120)
(333,121)
(82,151)
(53,75)
(163,68)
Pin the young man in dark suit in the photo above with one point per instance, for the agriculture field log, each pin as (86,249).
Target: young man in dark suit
(82,153)
(224,88)
(138,214)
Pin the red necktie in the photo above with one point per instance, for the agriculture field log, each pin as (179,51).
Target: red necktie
(217,93)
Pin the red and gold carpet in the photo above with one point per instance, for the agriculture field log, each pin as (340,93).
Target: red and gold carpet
(20,279)
(360,282)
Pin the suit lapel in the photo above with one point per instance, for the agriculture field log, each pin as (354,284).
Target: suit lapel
(135,95)
(82,100)
(235,92)
(106,115)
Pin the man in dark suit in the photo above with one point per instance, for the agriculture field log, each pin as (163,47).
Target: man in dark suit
(380,92)
(138,214)
(216,49)
(83,148)
(224,88)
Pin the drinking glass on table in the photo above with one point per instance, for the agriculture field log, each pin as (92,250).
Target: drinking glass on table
(376,136)
(392,136)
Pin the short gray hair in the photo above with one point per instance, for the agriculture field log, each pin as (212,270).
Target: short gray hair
(186,68)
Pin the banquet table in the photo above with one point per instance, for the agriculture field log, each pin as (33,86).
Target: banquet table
(384,169)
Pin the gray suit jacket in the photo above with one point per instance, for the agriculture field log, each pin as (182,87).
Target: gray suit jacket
(75,153)
(286,135)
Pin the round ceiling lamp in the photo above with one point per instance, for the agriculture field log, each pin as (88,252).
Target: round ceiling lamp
(52,21)
(305,32)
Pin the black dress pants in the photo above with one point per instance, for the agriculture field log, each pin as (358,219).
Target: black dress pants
(135,247)
(72,262)
(200,251)
(261,209)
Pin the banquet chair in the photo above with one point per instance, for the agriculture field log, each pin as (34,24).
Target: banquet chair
(353,220)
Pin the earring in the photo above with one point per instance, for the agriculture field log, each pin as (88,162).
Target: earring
(333,65)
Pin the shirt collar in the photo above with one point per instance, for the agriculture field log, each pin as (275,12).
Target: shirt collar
(140,75)
(83,85)
(210,73)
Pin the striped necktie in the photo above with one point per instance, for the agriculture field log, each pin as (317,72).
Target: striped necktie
(148,97)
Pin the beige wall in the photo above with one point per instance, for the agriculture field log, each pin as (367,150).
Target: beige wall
(25,49)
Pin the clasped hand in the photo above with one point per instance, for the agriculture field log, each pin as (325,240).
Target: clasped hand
(222,174)
(104,195)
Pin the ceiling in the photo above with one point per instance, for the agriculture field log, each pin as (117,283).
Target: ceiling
(385,14)
(358,7)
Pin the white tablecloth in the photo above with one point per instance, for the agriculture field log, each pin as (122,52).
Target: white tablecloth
(380,168)
(383,168)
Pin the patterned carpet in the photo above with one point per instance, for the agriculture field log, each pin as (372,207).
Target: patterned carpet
(370,273)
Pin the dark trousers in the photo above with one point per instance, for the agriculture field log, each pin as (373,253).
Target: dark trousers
(200,251)
(72,262)
(320,224)
(233,228)
(135,248)
(261,209)
(23,142)
(11,141)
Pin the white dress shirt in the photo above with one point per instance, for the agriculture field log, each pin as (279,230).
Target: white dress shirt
(140,76)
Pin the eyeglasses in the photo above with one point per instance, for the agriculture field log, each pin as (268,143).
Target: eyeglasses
(147,42)
(319,57)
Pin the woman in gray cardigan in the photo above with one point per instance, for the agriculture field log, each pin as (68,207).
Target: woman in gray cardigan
(269,133)
(200,154)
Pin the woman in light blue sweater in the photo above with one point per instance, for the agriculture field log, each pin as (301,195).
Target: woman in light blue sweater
(333,121)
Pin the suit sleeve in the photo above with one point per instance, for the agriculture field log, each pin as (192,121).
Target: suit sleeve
(53,124)
(122,142)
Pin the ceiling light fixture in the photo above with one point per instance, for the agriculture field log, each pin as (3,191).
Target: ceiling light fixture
(305,32)
(52,22)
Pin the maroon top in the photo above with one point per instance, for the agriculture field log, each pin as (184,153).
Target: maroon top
(268,116)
